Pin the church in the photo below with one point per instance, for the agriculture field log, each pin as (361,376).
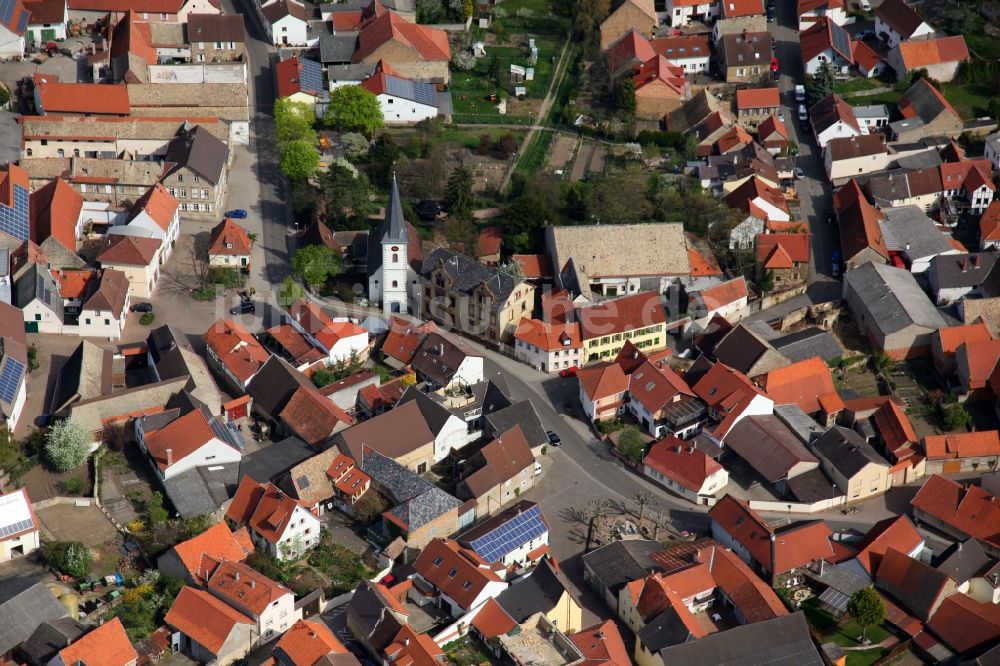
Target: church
(394,259)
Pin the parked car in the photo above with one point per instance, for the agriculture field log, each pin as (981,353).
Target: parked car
(554,439)
(774,64)
(799,173)
(770,14)
(800,93)
(568,372)
(803,113)
(142,307)
(236,214)
(835,258)
(245,307)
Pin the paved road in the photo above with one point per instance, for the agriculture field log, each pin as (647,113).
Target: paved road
(814,190)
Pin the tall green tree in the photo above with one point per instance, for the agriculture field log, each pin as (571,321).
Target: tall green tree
(354,109)
(624,96)
(289,291)
(67,445)
(587,18)
(293,121)
(819,85)
(299,160)
(315,264)
(458,196)
(382,157)
(346,198)
(867,609)
(631,444)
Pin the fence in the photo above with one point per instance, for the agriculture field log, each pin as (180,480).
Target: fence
(866,92)
(796,507)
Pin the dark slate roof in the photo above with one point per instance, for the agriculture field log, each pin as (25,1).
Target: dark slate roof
(366,613)
(467,274)
(846,450)
(202,490)
(337,49)
(962,270)
(804,426)
(621,562)
(23,610)
(811,486)
(964,561)
(518,414)
(665,630)
(270,462)
(434,413)
(215,28)
(781,640)
(358,72)
(37,282)
(394,226)
(539,591)
(439,357)
(199,151)
(49,638)
(741,349)
(768,445)
(892,297)
(807,343)
(417,501)
(274,384)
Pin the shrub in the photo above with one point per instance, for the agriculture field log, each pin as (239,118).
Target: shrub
(67,445)
(147,318)
(135,526)
(71,557)
(72,486)
(631,444)
(463,61)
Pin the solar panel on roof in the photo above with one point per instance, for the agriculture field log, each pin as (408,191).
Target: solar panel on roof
(422,93)
(841,42)
(310,75)
(14,218)
(10,379)
(20,526)
(6,10)
(511,535)
(22,22)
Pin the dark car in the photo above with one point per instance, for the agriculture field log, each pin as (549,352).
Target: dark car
(142,307)
(245,307)
(236,214)
(428,209)
(553,438)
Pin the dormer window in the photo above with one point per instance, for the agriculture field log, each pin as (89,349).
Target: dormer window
(452,573)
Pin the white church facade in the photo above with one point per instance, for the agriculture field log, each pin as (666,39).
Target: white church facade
(394,256)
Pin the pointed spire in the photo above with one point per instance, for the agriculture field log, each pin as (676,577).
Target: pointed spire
(394,227)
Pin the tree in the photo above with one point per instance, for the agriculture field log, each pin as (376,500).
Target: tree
(354,109)
(881,361)
(494,72)
(623,96)
(867,609)
(595,511)
(766,283)
(154,508)
(314,264)
(289,292)
(954,416)
(70,556)
(642,499)
(355,144)
(631,444)
(67,445)
(382,158)
(463,60)
(587,18)
(819,85)
(293,121)
(458,197)
(299,160)
(346,197)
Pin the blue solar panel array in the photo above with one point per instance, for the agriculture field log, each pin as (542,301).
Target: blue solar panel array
(841,41)
(14,219)
(510,536)
(422,93)
(310,75)
(22,22)
(7,10)
(10,379)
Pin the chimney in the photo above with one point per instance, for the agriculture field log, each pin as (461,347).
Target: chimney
(406,641)
(678,448)
(237,577)
(170,457)
(960,546)
(253,583)
(822,566)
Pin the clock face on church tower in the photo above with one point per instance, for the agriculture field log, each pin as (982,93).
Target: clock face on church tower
(394,248)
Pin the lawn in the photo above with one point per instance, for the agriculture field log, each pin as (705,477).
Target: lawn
(983,45)
(864,657)
(470,91)
(856,85)
(970,100)
(889,98)
(844,635)
(469,137)
(534,155)
(536,18)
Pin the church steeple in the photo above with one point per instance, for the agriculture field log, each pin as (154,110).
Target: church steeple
(394,228)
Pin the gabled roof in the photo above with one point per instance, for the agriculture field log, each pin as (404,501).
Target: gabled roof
(621,314)
(758,98)
(654,387)
(822,35)
(548,337)
(957,445)
(83,98)
(501,460)
(892,297)
(898,533)
(196,149)
(229,238)
(107,645)
(976,361)
(722,294)
(387,81)
(917,586)
(968,509)
(899,16)
(864,56)
(494,538)
(859,221)
(795,248)
(279,9)
(306,642)
(299,75)
(241,585)
(55,209)
(17,514)
(180,438)
(236,348)
(989,223)
(541,591)
(681,462)
(966,625)
(456,571)
(894,425)
(128,250)
(602,380)
(215,28)
(781,639)
(804,383)
(409,648)
(846,451)
(204,619)
(746,195)
(953,337)
(311,416)
(772,129)
(631,48)
(737,8)
(601,645)
(922,100)
(263,508)
(927,52)
(829,111)
(430,44)
(200,553)
(769,446)
(659,70)
(396,433)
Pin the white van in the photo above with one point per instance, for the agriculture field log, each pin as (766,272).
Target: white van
(800,93)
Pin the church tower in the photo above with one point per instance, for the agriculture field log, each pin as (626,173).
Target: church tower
(395,265)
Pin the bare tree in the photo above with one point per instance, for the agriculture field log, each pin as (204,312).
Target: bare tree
(199,259)
(642,499)
(659,521)
(595,511)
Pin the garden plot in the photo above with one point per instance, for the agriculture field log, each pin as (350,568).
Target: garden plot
(561,152)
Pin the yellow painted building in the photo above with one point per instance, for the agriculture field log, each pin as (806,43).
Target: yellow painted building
(606,327)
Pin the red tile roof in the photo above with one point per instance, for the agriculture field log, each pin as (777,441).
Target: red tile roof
(772,130)
(859,222)
(916,585)
(989,223)
(492,621)
(970,510)
(796,247)
(534,266)
(681,462)
(409,648)
(82,98)
(547,336)
(107,645)
(55,209)
(313,320)
(311,416)
(601,645)
(864,56)
(659,70)
(926,52)
(458,572)
(243,586)
(794,546)
(128,250)
(758,98)
(965,624)
(726,391)
(236,348)
(229,238)
(288,74)
(977,360)
(306,642)
(430,44)
(632,47)
(818,38)
(262,507)
(802,383)
(219,543)
(723,294)
(953,337)
(403,338)
(738,8)
(656,386)
(300,348)
(956,445)
(602,380)
(682,47)
(489,241)
(73,283)
(746,195)
(898,533)
(702,262)
(622,314)
(181,437)
(894,426)
(204,619)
